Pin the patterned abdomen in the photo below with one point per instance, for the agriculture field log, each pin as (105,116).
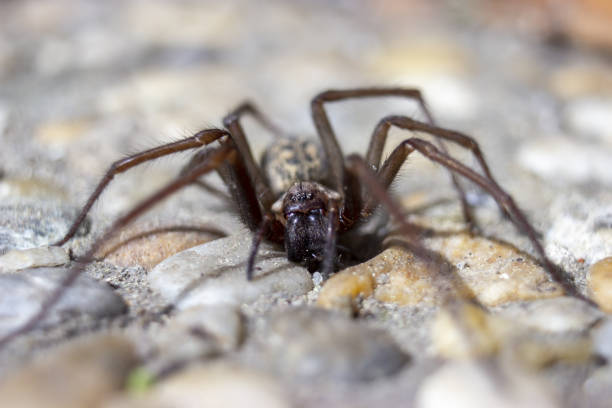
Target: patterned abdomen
(288,161)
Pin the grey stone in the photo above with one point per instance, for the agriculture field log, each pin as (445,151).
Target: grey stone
(215,273)
(196,333)
(553,315)
(590,117)
(598,388)
(215,385)
(467,384)
(23,294)
(560,161)
(602,339)
(37,225)
(33,258)
(81,373)
(317,344)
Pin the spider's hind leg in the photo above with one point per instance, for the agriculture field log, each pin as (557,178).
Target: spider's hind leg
(503,199)
(201,138)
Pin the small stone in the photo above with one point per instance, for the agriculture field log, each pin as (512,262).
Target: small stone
(541,352)
(33,258)
(81,373)
(147,245)
(312,343)
(580,229)
(467,384)
(344,287)
(556,315)
(561,160)
(25,226)
(600,283)
(494,273)
(590,117)
(12,188)
(62,133)
(464,330)
(23,294)
(580,80)
(598,388)
(218,385)
(602,339)
(215,273)
(196,333)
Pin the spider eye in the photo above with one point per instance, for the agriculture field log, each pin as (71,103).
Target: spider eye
(317,211)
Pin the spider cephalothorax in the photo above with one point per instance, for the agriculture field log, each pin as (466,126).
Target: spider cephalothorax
(304,195)
(305,211)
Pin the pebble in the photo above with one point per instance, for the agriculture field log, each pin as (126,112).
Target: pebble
(196,333)
(80,373)
(600,283)
(36,225)
(215,273)
(561,160)
(15,188)
(598,388)
(590,117)
(494,273)
(147,244)
(213,385)
(24,293)
(316,344)
(537,351)
(62,133)
(571,81)
(556,315)
(464,330)
(16,260)
(602,339)
(580,230)
(469,384)
(4,110)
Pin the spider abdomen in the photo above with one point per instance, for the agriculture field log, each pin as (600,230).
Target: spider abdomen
(288,161)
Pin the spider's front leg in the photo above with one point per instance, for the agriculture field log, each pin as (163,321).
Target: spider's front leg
(215,159)
(202,138)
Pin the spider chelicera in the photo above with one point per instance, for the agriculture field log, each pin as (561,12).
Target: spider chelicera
(305,194)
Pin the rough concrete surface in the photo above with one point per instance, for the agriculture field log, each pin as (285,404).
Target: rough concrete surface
(85,83)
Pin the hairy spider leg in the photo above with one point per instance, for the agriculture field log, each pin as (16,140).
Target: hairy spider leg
(245,108)
(201,138)
(334,153)
(503,199)
(220,154)
(264,193)
(379,139)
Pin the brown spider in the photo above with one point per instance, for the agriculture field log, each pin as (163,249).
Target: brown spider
(302,195)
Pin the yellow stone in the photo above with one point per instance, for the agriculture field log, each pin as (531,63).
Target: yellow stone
(455,266)
(463,330)
(62,132)
(600,283)
(147,245)
(341,289)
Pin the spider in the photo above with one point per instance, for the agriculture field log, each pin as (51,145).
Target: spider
(303,194)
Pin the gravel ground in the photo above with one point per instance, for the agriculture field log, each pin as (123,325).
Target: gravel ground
(84,83)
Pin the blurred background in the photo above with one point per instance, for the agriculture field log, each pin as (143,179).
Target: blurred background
(83,83)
